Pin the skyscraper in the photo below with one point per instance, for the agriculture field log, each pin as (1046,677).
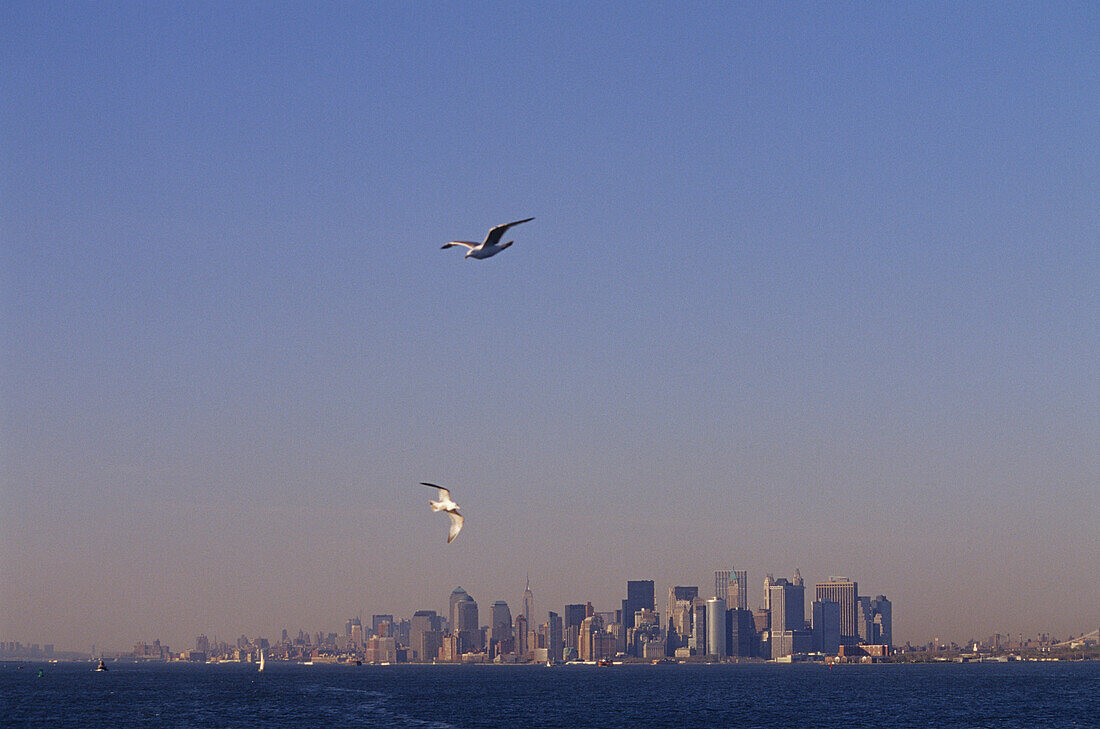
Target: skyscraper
(733,586)
(875,620)
(456,597)
(501,629)
(845,593)
(826,626)
(787,605)
(639,594)
(716,627)
(527,604)
(554,631)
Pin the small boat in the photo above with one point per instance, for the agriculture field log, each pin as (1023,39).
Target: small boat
(261,659)
(102,666)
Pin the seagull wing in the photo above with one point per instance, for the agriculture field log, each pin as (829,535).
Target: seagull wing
(495,234)
(444,494)
(456,525)
(466,243)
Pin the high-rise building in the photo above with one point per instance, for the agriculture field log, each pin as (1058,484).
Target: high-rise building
(826,627)
(768,591)
(699,626)
(737,591)
(574,615)
(554,630)
(522,639)
(425,634)
(466,625)
(788,608)
(721,583)
(740,633)
(459,595)
(845,593)
(501,629)
(639,594)
(376,624)
(716,627)
(527,604)
(875,621)
(678,595)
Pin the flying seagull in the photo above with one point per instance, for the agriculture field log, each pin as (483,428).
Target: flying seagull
(445,504)
(491,245)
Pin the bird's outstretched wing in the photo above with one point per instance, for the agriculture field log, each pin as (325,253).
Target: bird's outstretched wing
(466,243)
(456,525)
(444,494)
(495,234)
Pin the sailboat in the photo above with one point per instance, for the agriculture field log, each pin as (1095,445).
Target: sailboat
(261,659)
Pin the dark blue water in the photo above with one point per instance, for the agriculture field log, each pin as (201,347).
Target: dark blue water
(990,696)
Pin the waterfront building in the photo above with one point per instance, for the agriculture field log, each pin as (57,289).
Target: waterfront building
(740,633)
(554,642)
(699,626)
(716,627)
(425,635)
(845,593)
(501,629)
(522,639)
(826,626)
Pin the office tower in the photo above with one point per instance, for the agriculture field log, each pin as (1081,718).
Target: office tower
(459,595)
(356,638)
(527,604)
(466,625)
(554,635)
(737,592)
(639,594)
(788,608)
(843,592)
(349,625)
(826,627)
(425,634)
(740,633)
(501,629)
(875,621)
(574,615)
(699,626)
(586,642)
(522,639)
(678,594)
(376,622)
(716,627)
(721,583)
(768,591)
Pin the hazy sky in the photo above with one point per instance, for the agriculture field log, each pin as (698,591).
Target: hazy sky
(808,285)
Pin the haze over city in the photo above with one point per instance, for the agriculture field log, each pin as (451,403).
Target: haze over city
(808,286)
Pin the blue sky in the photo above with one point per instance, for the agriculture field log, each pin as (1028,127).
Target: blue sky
(808,285)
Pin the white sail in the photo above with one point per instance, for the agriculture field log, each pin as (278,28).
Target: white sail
(261,659)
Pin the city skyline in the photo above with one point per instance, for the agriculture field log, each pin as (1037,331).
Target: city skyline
(807,285)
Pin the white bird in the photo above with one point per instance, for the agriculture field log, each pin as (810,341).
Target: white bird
(446,504)
(491,245)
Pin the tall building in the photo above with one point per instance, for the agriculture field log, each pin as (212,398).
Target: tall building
(737,590)
(466,625)
(768,591)
(527,604)
(845,593)
(574,615)
(522,639)
(826,627)
(788,607)
(377,628)
(875,621)
(721,583)
(501,629)
(699,626)
(425,634)
(639,595)
(716,627)
(554,631)
(680,594)
(459,595)
(740,633)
